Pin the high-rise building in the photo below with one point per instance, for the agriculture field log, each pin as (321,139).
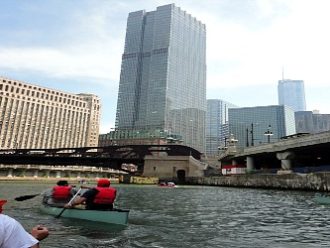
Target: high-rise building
(217,130)
(35,117)
(312,122)
(252,126)
(163,75)
(292,93)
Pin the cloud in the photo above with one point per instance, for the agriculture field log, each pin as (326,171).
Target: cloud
(105,126)
(86,45)
(248,42)
(70,63)
(239,55)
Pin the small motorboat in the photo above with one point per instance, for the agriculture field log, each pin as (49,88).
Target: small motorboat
(115,216)
(167,184)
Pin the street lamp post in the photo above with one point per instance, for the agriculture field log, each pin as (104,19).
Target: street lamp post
(252,135)
(192,131)
(247,137)
(268,133)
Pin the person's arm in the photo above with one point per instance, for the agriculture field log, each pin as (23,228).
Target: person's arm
(13,233)
(78,200)
(115,195)
(39,232)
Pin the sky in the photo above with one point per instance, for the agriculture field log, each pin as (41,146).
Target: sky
(76,46)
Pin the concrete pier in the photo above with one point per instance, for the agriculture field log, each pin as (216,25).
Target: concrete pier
(294,181)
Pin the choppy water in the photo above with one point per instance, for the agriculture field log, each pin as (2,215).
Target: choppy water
(186,217)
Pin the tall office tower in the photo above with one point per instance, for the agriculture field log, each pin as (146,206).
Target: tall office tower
(252,126)
(312,122)
(217,129)
(292,94)
(34,117)
(162,87)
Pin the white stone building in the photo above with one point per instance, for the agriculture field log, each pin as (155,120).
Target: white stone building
(35,117)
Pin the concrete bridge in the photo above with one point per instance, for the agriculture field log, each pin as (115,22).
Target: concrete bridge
(300,150)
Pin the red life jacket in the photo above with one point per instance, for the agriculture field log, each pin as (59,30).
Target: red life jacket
(61,192)
(105,195)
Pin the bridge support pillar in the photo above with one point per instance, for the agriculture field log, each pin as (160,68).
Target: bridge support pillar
(47,173)
(249,164)
(35,174)
(286,159)
(58,174)
(10,173)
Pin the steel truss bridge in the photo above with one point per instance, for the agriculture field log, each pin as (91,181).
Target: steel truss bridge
(108,156)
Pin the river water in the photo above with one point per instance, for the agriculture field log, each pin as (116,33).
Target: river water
(185,217)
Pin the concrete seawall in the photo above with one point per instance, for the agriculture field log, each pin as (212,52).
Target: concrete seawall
(311,181)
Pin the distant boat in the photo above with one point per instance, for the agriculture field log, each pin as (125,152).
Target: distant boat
(167,184)
(321,199)
(115,216)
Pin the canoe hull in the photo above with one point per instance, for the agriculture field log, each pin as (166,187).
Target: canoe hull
(116,216)
(321,199)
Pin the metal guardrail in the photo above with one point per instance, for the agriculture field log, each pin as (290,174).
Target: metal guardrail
(283,145)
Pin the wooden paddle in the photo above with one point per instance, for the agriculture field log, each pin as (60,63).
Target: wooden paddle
(59,215)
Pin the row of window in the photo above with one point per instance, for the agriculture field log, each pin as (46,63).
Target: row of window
(27,92)
(44,103)
(39,89)
(32,125)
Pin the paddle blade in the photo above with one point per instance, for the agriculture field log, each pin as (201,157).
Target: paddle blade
(25,197)
(59,215)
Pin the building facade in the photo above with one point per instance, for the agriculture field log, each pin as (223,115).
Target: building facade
(252,126)
(292,93)
(312,122)
(217,129)
(163,75)
(134,137)
(35,117)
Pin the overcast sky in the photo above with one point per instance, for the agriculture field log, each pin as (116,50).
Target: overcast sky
(76,46)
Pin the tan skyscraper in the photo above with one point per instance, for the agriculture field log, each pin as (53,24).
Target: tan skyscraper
(32,116)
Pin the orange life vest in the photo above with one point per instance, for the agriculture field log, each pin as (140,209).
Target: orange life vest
(105,195)
(61,192)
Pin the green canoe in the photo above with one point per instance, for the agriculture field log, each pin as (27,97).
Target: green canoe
(116,216)
(321,199)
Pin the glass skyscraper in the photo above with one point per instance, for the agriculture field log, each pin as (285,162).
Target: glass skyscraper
(217,129)
(292,93)
(162,85)
(250,125)
(312,122)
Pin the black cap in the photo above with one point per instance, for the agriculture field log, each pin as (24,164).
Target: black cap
(62,183)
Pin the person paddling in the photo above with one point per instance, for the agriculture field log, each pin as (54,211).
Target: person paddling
(100,197)
(60,194)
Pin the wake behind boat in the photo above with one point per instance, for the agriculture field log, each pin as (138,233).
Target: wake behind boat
(115,216)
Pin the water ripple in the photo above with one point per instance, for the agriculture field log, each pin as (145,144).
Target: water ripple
(186,217)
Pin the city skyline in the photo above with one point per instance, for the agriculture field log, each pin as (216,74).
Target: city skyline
(77,48)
